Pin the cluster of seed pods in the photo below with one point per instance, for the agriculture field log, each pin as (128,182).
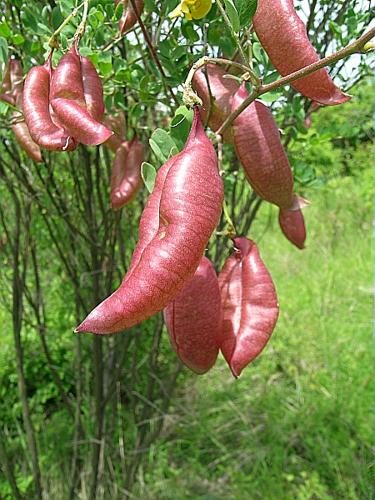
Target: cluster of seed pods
(12,91)
(235,312)
(168,270)
(256,139)
(64,106)
(176,224)
(259,149)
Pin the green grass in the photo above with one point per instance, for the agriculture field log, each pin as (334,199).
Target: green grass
(298,423)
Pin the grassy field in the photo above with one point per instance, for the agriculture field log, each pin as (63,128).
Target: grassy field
(298,424)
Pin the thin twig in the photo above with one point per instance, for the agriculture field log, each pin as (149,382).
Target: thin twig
(350,49)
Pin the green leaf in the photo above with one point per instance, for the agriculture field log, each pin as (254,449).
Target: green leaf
(189,32)
(272,96)
(4,30)
(246,9)
(162,145)
(148,173)
(29,19)
(3,52)
(18,39)
(180,125)
(233,15)
(57,17)
(257,51)
(105,68)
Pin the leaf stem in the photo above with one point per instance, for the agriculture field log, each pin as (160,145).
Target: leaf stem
(53,42)
(253,77)
(82,25)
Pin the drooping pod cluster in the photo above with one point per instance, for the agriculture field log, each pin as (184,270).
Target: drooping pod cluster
(176,224)
(62,107)
(257,143)
(126,173)
(77,98)
(204,314)
(45,131)
(258,147)
(12,92)
(283,35)
(235,313)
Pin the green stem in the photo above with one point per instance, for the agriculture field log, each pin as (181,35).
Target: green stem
(82,25)
(252,76)
(231,231)
(53,42)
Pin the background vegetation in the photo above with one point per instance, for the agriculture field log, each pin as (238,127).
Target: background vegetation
(89,417)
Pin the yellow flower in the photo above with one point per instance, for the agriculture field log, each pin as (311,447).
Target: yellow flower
(192,9)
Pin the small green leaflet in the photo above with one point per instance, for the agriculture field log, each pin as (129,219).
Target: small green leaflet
(233,15)
(162,145)
(246,10)
(3,53)
(148,173)
(180,126)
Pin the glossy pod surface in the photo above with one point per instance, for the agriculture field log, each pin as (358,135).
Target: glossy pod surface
(92,89)
(70,87)
(35,104)
(283,36)
(126,173)
(292,224)
(222,90)
(129,18)
(16,80)
(25,141)
(250,307)
(180,215)
(14,92)
(194,319)
(258,147)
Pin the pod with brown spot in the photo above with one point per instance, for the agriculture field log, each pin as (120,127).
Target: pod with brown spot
(176,224)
